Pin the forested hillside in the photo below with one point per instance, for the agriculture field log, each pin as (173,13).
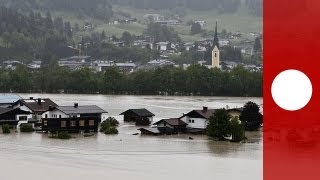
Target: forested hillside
(33,35)
(100,9)
(222,6)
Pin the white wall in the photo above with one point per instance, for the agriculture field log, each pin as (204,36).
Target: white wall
(199,123)
(150,119)
(54,112)
(104,117)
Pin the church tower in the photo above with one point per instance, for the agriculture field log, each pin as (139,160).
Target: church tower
(215,57)
(216,51)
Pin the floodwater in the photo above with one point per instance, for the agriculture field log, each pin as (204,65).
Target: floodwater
(129,157)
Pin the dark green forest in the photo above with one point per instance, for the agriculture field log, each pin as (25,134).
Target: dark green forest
(33,35)
(196,80)
(100,9)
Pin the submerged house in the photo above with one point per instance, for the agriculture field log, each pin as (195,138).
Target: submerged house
(140,116)
(35,106)
(73,119)
(197,120)
(171,126)
(12,116)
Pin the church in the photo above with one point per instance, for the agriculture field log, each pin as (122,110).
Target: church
(216,51)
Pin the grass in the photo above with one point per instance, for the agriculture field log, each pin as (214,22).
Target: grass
(240,21)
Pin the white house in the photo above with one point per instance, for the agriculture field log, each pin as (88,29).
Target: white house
(162,46)
(35,106)
(197,120)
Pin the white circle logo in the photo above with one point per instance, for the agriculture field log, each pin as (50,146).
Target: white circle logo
(291,90)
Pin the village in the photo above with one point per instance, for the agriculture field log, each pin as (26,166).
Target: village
(167,51)
(45,116)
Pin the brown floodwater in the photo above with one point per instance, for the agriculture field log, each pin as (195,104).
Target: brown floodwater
(128,157)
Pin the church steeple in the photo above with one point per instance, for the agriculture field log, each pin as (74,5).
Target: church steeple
(216,39)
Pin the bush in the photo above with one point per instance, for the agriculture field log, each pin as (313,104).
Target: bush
(110,121)
(61,135)
(26,128)
(109,126)
(5,129)
(237,130)
(111,130)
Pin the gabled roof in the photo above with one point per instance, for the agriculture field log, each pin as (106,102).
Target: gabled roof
(92,109)
(35,106)
(140,112)
(235,109)
(172,122)
(5,110)
(202,113)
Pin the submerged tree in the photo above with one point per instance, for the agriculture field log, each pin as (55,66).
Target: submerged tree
(237,130)
(251,116)
(219,125)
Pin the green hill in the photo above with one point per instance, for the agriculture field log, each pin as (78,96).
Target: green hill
(232,15)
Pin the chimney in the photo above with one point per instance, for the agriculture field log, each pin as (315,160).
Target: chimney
(50,108)
(76,105)
(39,101)
(204,109)
(31,98)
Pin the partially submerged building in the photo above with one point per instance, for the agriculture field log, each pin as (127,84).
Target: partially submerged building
(73,118)
(139,116)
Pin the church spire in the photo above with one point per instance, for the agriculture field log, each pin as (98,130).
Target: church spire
(216,40)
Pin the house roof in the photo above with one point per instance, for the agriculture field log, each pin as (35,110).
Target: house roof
(172,122)
(203,113)
(235,109)
(150,130)
(5,110)
(92,109)
(140,112)
(35,106)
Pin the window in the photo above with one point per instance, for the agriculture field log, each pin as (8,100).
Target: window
(91,122)
(60,116)
(215,54)
(63,124)
(192,121)
(81,123)
(73,123)
(45,123)
(46,116)
(22,118)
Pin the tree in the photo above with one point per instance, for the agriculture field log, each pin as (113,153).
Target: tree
(237,130)
(196,28)
(257,45)
(251,116)
(219,125)
(127,38)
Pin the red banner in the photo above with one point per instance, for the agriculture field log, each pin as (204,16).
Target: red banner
(291,41)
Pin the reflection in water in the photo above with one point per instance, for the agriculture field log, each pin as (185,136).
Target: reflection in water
(125,156)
